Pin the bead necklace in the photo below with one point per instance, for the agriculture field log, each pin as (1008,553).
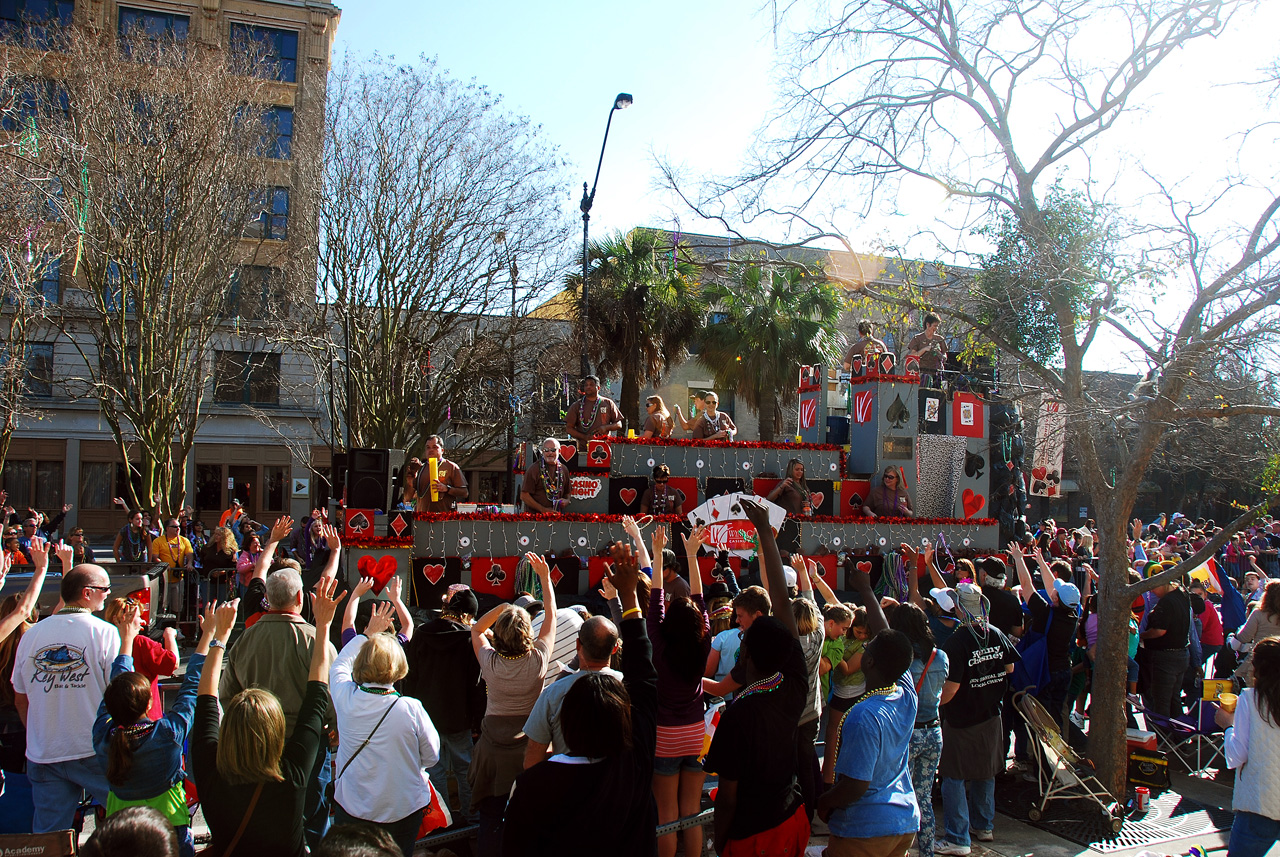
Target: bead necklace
(510,657)
(552,485)
(659,504)
(884,691)
(584,424)
(378,691)
(764,685)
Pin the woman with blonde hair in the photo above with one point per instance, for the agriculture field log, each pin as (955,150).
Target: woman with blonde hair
(385,738)
(218,558)
(513,664)
(252,779)
(150,659)
(657,422)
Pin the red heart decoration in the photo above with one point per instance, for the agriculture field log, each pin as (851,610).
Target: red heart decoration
(365,565)
(815,500)
(627,495)
(864,566)
(1038,473)
(384,571)
(433,573)
(568,452)
(973,503)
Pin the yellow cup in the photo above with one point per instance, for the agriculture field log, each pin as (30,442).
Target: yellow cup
(631,434)
(1227,701)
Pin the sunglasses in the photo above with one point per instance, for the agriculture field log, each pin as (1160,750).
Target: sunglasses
(99,588)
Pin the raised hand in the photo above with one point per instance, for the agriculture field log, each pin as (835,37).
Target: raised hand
(281,528)
(67,507)
(659,542)
(540,568)
(393,588)
(380,619)
(331,536)
(365,584)
(6,563)
(208,620)
(630,527)
(695,540)
(129,619)
(607,589)
(323,603)
(39,551)
(623,573)
(225,616)
(65,555)
(755,513)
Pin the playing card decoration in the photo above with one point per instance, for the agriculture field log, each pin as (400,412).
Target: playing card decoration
(897,413)
(599,454)
(359,522)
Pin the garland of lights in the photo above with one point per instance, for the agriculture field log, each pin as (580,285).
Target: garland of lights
(723,444)
(571,518)
(378,542)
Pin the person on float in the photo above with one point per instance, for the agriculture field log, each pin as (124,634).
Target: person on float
(546,482)
(868,344)
(889,499)
(593,415)
(450,486)
(712,424)
(660,498)
(699,403)
(657,422)
(792,494)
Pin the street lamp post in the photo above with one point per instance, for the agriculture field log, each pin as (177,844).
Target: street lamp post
(621,102)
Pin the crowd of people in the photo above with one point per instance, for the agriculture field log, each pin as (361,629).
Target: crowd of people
(811,711)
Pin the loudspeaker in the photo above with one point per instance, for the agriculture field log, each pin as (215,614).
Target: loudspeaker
(368,477)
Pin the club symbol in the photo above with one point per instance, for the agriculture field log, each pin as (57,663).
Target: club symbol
(495,575)
(599,454)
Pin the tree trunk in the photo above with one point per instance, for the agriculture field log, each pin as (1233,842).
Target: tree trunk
(1107,745)
(629,402)
(768,412)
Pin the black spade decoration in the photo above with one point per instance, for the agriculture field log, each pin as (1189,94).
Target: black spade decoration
(358,522)
(897,414)
(973,464)
(736,508)
(855,501)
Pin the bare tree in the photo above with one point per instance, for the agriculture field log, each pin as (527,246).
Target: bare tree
(156,158)
(441,216)
(880,91)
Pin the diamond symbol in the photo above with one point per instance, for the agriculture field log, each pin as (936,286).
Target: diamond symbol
(715,513)
(398,525)
(556,576)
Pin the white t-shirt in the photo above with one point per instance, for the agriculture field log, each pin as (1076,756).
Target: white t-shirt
(63,665)
(568,622)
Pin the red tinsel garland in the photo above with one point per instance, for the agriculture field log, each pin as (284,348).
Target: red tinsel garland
(886,379)
(378,543)
(432,517)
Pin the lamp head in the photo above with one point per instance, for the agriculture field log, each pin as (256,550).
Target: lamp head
(623,101)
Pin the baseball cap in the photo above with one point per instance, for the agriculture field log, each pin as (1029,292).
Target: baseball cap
(945,599)
(464,602)
(790,574)
(1068,593)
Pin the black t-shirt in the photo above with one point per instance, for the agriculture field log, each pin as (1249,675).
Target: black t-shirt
(977,663)
(1060,631)
(1006,609)
(1172,613)
(755,745)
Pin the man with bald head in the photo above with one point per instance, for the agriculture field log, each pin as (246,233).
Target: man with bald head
(597,642)
(61,670)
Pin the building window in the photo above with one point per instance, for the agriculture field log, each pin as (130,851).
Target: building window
(43,492)
(271,219)
(278,50)
(50,280)
(95,484)
(36,23)
(153,25)
(255,290)
(275,488)
(246,378)
(39,379)
(29,102)
(277,133)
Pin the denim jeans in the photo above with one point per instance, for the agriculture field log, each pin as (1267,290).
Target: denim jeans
(455,758)
(315,807)
(489,836)
(962,812)
(404,831)
(1252,835)
(1054,695)
(922,761)
(58,787)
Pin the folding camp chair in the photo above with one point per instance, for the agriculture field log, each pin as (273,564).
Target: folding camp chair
(1060,772)
(1193,738)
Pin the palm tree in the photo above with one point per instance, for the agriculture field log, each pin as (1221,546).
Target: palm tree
(770,320)
(646,310)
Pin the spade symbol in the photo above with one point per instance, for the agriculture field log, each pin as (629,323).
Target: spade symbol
(1037,486)
(598,453)
(736,508)
(358,522)
(897,414)
(973,464)
(855,501)
(495,575)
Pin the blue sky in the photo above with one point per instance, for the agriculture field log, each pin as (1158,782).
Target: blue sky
(699,72)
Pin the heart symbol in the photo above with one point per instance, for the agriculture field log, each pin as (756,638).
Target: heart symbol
(1038,473)
(627,495)
(365,565)
(384,571)
(816,498)
(973,503)
(864,566)
(433,573)
(568,452)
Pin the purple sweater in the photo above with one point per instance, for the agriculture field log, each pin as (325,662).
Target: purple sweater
(679,701)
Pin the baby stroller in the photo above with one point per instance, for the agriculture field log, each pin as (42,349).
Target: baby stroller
(1060,773)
